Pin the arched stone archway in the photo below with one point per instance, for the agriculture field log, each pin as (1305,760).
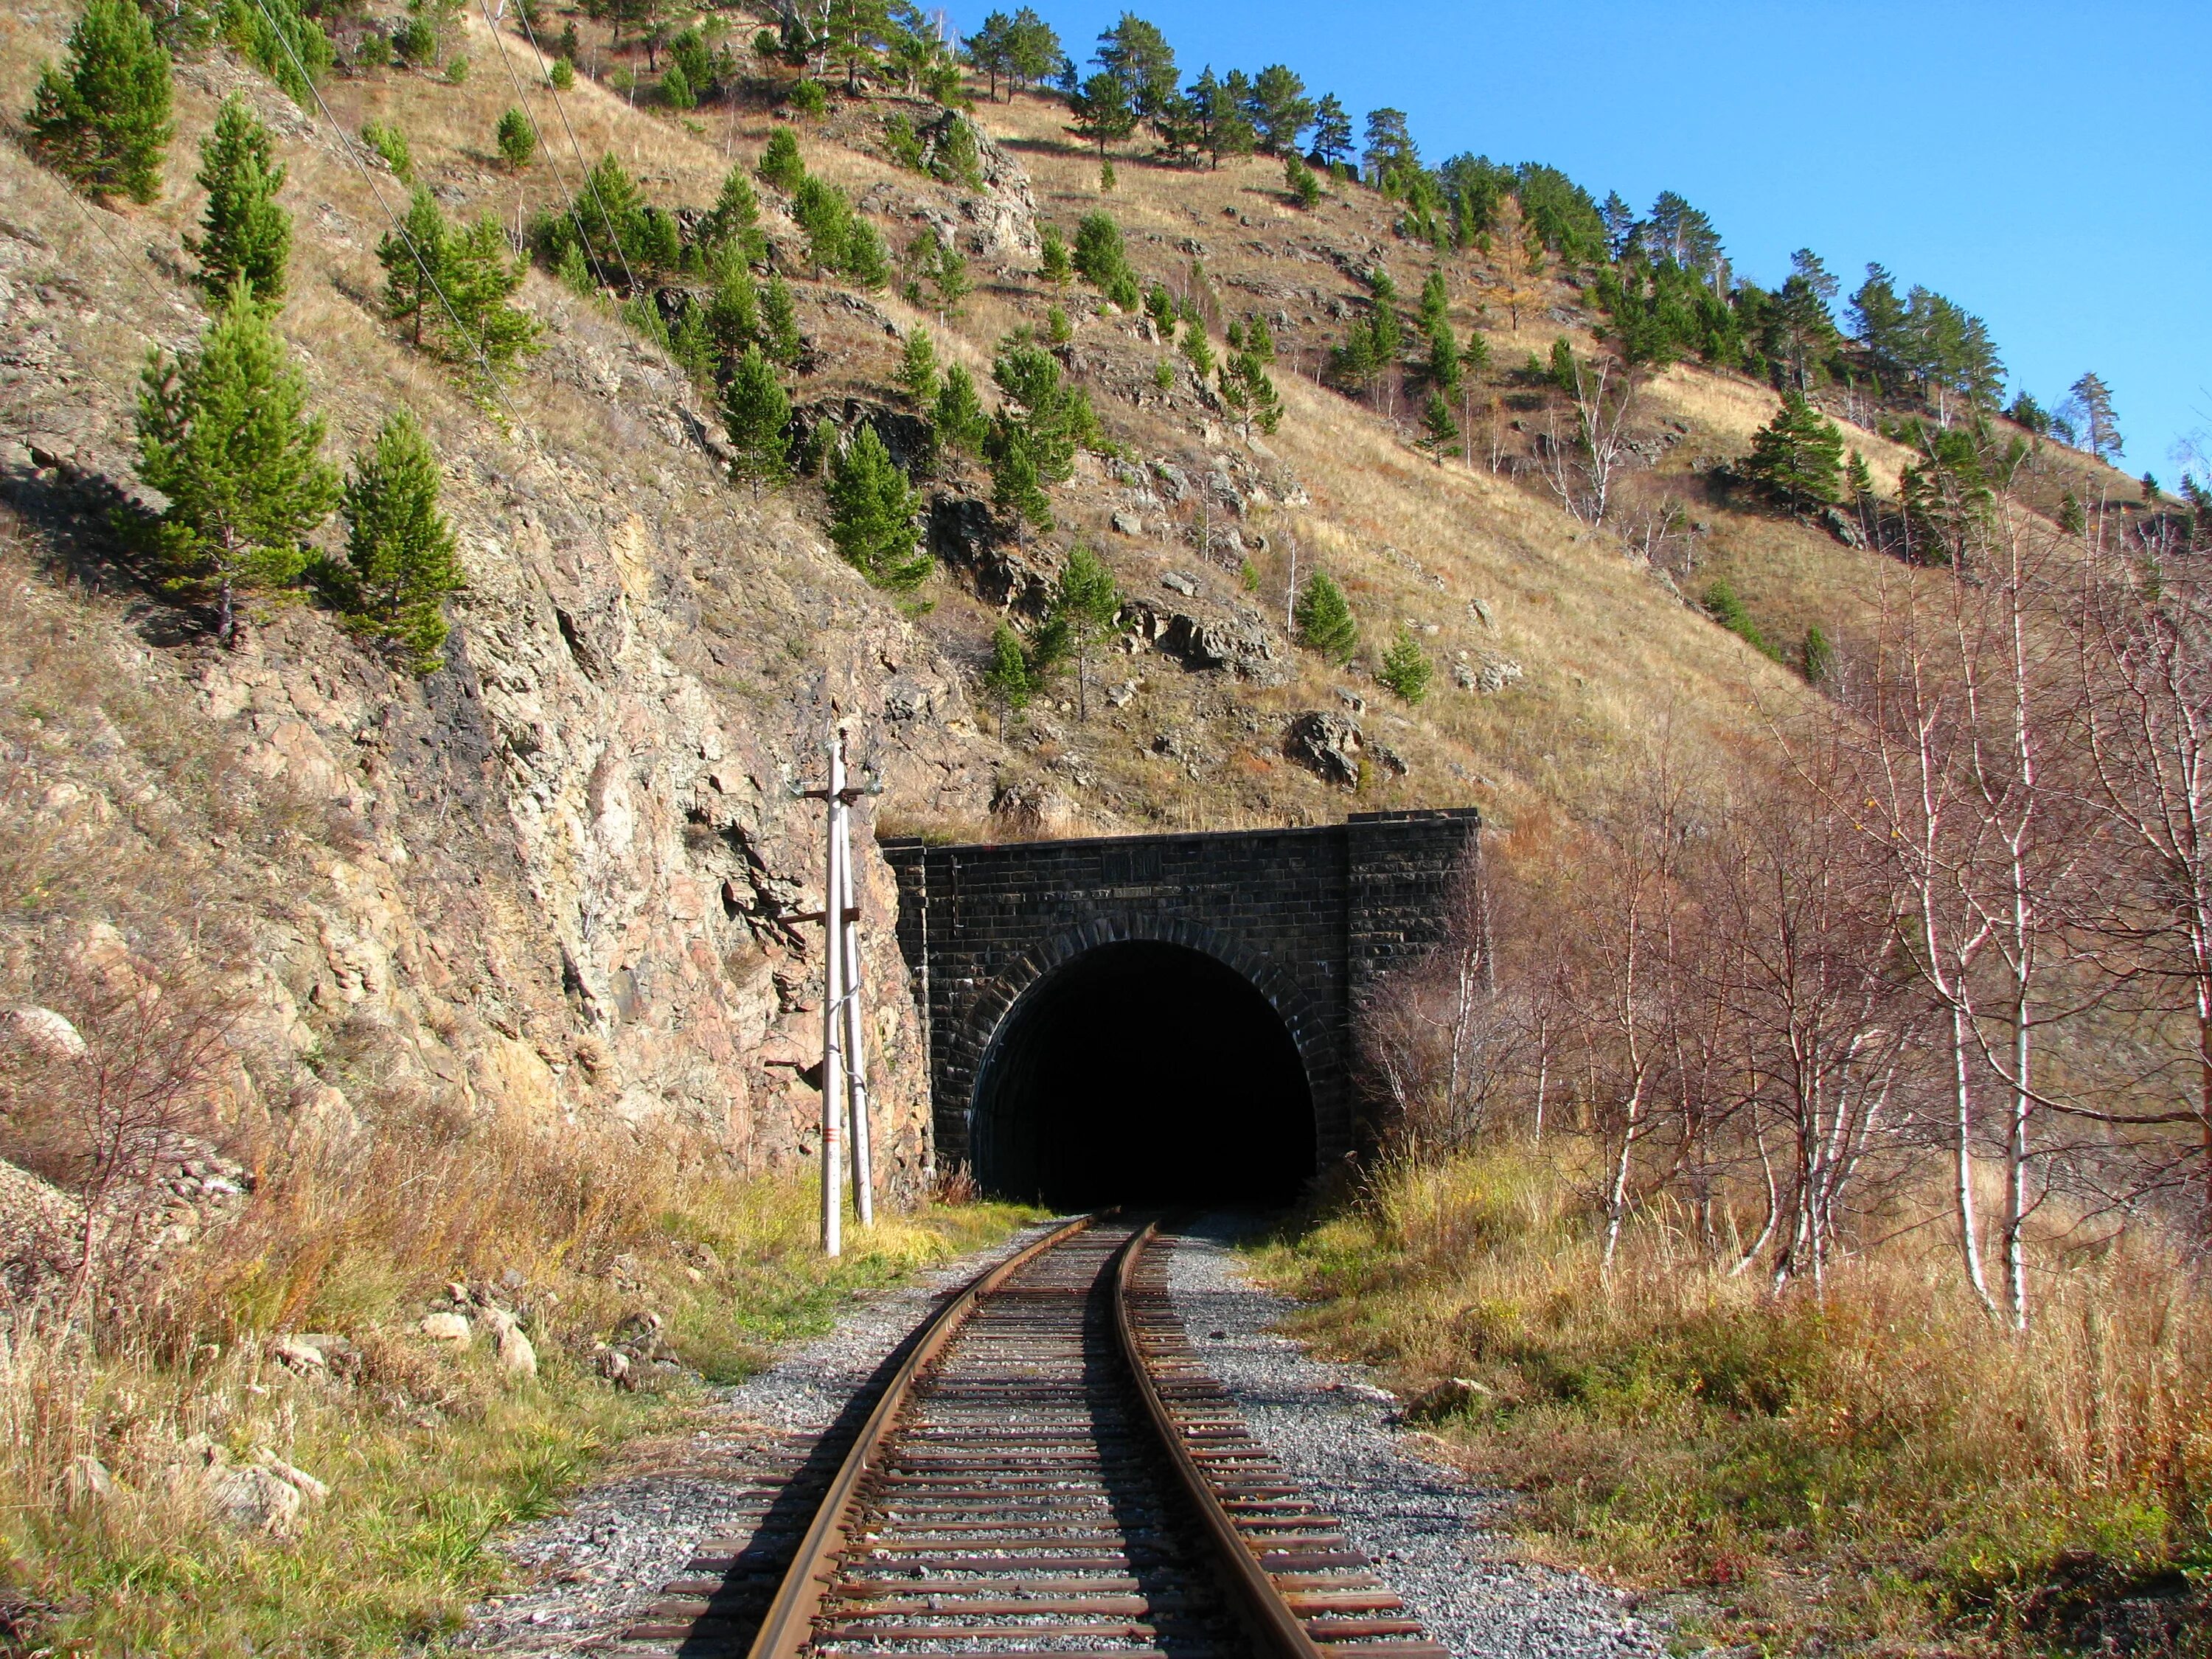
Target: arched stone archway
(1306,918)
(1142,1071)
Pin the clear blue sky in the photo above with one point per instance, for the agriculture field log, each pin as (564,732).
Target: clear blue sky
(2047,166)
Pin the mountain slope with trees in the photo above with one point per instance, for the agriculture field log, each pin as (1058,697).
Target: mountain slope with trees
(456,464)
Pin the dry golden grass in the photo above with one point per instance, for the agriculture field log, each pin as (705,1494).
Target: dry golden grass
(1883,1472)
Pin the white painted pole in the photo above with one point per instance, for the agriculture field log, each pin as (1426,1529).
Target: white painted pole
(833,995)
(856,1043)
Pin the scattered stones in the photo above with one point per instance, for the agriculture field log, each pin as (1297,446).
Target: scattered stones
(1326,744)
(1120,696)
(265,1494)
(1352,699)
(1497,674)
(1175,582)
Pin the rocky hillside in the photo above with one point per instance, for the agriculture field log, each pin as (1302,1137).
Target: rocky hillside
(560,876)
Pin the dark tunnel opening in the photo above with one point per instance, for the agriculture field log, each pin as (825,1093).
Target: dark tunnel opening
(1143,1073)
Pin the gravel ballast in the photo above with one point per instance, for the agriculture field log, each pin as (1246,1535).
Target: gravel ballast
(595,1569)
(1433,1536)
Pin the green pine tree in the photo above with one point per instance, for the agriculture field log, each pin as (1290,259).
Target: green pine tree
(917,370)
(1797,457)
(483,331)
(871,519)
(1324,619)
(676,88)
(780,163)
(734,220)
(516,138)
(1724,607)
(780,323)
(1087,605)
(1006,677)
(1055,267)
(101,120)
(401,557)
(1017,489)
(224,433)
(1439,430)
(245,238)
(414,259)
(1436,304)
(733,312)
(1858,478)
(958,413)
(756,413)
(1405,669)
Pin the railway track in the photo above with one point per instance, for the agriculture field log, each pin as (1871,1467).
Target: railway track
(1047,1470)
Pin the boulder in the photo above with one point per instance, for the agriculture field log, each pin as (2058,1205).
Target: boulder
(42,1032)
(1326,744)
(1453,1397)
(1128,524)
(297,1354)
(87,1482)
(448,1328)
(513,1349)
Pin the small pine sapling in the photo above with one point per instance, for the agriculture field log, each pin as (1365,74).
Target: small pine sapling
(756,416)
(1087,606)
(1440,429)
(1405,669)
(562,76)
(1006,677)
(516,138)
(1057,328)
(780,163)
(401,560)
(780,323)
(917,370)
(871,521)
(245,237)
(102,118)
(1324,619)
(224,433)
(1055,268)
(808,97)
(676,88)
(958,414)
(1107,182)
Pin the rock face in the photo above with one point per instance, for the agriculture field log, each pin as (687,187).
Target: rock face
(1326,744)
(560,876)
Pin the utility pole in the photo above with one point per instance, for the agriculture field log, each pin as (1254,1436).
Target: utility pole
(1291,595)
(844,1043)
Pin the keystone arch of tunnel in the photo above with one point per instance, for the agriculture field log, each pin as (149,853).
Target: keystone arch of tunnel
(1162,1017)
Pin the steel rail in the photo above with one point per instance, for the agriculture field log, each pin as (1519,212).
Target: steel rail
(788,1628)
(1278,1630)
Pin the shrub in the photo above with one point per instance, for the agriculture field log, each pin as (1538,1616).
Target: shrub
(808,97)
(389,143)
(1324,619)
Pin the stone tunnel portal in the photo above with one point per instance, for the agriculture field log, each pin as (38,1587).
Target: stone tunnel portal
(1143,1072)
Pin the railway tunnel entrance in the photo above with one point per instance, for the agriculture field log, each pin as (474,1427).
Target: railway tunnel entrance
(1143,1072)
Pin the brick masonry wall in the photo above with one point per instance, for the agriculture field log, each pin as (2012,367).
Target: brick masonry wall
(1311,917)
